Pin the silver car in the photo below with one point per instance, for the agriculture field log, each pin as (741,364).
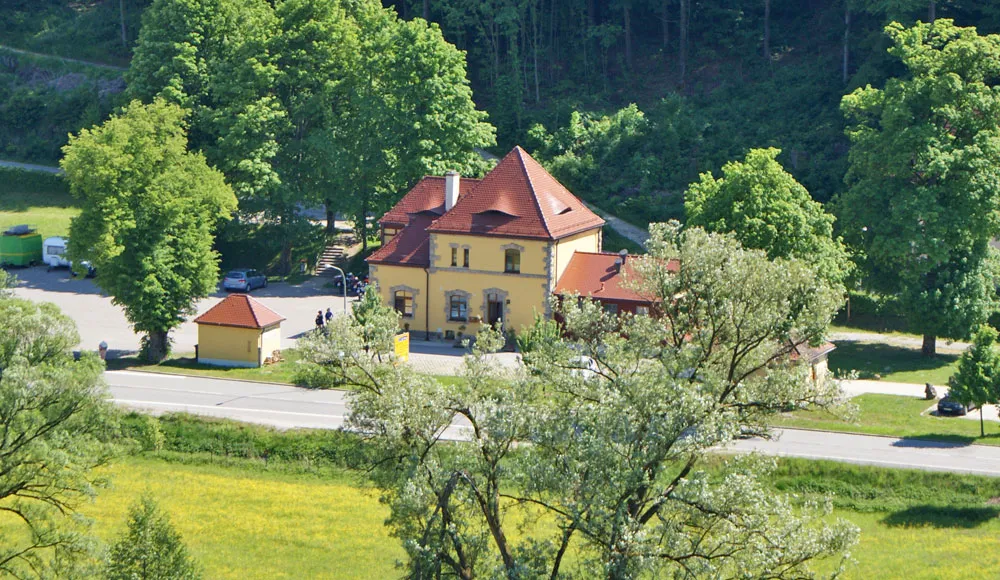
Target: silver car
(244,280)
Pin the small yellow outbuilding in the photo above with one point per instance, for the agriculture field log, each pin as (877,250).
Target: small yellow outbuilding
(238,332)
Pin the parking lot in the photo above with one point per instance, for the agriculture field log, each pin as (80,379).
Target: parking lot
(97,319)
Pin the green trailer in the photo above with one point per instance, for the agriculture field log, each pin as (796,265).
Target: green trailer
(20,246)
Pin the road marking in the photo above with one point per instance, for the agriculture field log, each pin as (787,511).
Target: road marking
(216,407)
(147,375)
(260,397)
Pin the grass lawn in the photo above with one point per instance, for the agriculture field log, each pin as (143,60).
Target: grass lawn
(896,416)
(244,524)
(892,363)
(49,212)
(185,364)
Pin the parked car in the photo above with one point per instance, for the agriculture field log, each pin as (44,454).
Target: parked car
(244,280)
(85,267)
(950,406)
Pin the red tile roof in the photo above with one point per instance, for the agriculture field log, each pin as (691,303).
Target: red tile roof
(518,198)
(812,353)
(241,311)
(409,247)
(426,196)
(597,276)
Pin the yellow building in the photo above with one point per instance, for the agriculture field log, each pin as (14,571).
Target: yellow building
(458,252)
(238,332)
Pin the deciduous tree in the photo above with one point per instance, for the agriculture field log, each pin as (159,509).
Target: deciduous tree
(766,208)
(57,427)
(924,179)
(609,460)
(977,381)
(149,207)
(150,549)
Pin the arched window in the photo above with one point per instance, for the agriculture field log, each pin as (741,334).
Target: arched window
(512,261)
(403,303)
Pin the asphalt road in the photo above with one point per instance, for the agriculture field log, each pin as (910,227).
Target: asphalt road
(98,319)
(289,407)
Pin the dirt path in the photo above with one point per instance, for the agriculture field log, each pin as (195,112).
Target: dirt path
(632,232)
(895,340)
(62,58)
(31,167)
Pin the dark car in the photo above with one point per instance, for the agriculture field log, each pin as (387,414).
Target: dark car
(949,406)
(244,280)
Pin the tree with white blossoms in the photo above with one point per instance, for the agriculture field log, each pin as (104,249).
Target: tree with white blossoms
(505,471)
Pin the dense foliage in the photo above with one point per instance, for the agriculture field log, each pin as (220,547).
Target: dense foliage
(149,210)
(977,381)
(923,197)
(57,427)
(150,549)
(765,208)
(615,453)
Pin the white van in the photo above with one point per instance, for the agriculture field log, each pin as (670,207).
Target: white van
(54,253)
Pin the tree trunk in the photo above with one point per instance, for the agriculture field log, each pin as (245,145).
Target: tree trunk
(683,39)
(628,35)
(847,31)
(121,11)
(767,30)
(982,429)
(931,11)
(929,347)
(427,10)
(331,218)
(157,346)
(666,26)
(364,224)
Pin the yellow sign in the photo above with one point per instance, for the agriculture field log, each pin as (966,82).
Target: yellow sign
(403,346)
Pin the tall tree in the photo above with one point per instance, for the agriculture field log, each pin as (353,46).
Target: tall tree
(977,381)
(149,208)
(58,426)
(410,113)
(924,180)
(611,459)
(150,549)
(766,208)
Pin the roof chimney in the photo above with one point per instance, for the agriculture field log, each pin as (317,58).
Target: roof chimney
(451,180)
(622,255)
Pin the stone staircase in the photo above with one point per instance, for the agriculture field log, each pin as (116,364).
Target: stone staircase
(332,256)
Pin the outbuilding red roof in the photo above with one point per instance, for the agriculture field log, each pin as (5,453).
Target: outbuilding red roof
(518,198)
(241,311)
(599,276)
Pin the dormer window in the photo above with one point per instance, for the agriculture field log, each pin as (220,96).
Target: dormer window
(512,261)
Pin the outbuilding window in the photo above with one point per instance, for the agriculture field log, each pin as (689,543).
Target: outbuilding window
(642,310)
(458,310)
(512,261)
(403,303)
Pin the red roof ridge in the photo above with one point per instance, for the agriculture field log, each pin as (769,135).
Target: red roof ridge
(527,175)
(239,310)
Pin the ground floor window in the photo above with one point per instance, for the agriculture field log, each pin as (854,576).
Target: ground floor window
(458,309)
(612,308)
(642,310)
(403,303)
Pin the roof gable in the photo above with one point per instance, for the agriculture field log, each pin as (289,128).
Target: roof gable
(241,311)
(532,203)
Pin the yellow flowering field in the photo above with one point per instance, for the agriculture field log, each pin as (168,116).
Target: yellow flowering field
(243,524)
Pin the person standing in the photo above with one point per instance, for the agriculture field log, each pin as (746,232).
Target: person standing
(319,320)
(328,316)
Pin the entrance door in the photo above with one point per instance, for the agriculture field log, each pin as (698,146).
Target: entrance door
(494,309)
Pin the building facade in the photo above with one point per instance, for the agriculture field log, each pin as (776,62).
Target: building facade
(238,332)
(458,253)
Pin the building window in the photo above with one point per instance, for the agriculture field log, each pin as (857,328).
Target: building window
(454,257)
(642,310)
(403,303)
(612,308)
(465,258)
(512,261)
(458,309)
